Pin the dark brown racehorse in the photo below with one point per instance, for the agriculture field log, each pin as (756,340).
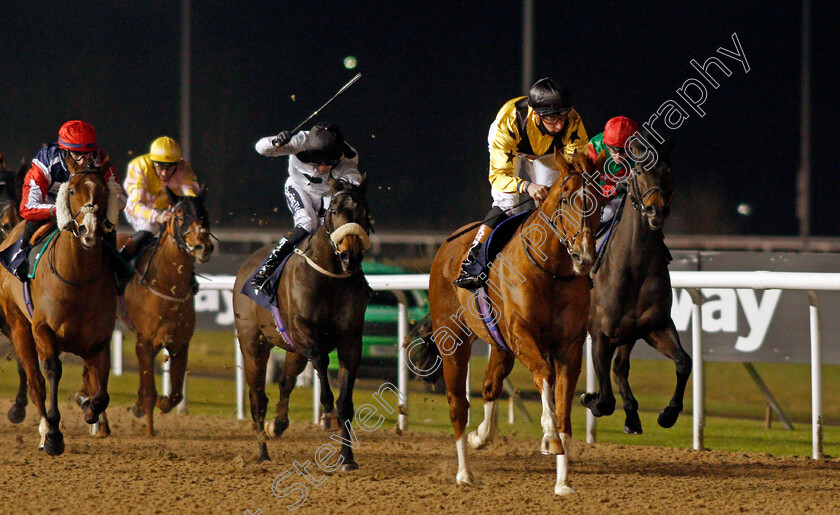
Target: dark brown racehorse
(74,299)
(10,191)
(159,300)
(322,296)
(632,295)
(539,293)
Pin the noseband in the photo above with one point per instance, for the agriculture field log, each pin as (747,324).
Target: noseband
(637,198)
(87,208)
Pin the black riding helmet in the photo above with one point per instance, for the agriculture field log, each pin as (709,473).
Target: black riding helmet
(547,97)
(324,145)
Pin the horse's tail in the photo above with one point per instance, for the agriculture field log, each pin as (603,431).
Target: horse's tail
(423,353)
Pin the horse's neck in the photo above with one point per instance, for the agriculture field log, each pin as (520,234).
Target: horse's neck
(636,249)
(552,245)
(80,259)
(321,251)
(169,260)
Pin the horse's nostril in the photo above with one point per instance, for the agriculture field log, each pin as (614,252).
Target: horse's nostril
(199,247)
(576,257)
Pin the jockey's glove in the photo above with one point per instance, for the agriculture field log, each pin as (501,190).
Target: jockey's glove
(281,139)
(621,188)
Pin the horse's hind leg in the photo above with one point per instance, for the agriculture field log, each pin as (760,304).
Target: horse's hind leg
(292,367)
(100,428)
(567,370)
(349,357)
(25,349)
(498,368)
(255,357)
(455,374)
(667,341)
(17,413)
(177,371)
(621,373)
(98,369)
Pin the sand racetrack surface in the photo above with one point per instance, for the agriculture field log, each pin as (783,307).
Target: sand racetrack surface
(200,464)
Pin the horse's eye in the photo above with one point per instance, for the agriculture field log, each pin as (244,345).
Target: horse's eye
(72,191)
(333,212)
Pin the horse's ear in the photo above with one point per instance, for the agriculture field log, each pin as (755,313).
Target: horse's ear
(173,197)
(560,161)
(601,160)
(363,186)
(667,148)
(202,192)
(335,184)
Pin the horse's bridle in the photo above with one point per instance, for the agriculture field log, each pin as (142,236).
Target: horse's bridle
(328,216)
(87,208)
(558,213)
(637,198)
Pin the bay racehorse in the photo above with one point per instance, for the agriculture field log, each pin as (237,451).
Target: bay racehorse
(322,296)
(159,303)
(73,297)
(632,296)
(538,294)
(10,192)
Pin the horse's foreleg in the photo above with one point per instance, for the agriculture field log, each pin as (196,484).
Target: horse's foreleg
(177,372)
(543,374)
(498,368)
(621,373)
(601,403)
(255,357)
(349,357)
(47,343)
(147,393)
(567,370)
(455,374)
(24,345)
(667,341)
(98,368)
(292,367)
(17,413)
(329,418)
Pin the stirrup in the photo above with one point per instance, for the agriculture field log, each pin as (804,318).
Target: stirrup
(260,282)
(468,282)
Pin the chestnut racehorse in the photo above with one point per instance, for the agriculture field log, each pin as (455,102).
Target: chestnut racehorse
(74,297)
(322,296)
(632,295)
(159,300)
(539,295)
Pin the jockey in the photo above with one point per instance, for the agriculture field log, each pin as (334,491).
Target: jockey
(146,181)
(76,149)
(618,164)
(522,139)
(314,157)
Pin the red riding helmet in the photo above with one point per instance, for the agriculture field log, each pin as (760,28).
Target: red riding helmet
(77,136)
(618,130)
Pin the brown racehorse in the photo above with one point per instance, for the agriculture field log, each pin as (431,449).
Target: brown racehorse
(74,299)
(632,295)
(322,296)
(159,300)
(10,200)
(539,294)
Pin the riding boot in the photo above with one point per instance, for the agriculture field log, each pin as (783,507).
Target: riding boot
(22,258)
(472,269)
(283,249)
(134,243)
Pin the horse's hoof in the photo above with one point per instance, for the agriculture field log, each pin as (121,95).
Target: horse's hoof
(81,400)
(100,430)
(350,466)
(465,477)
(263,453)
(598,407)
(551,446)
(54,444)
(475,440)
(633,426)
(330,423)
(586,398)
(276,427)
(138,411)
(563,490)
(16,414)
(668,417)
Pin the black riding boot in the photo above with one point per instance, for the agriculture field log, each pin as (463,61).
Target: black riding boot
(29,230)
(283,249)
(472,269)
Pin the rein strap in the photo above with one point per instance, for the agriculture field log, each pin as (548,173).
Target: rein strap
(318,267)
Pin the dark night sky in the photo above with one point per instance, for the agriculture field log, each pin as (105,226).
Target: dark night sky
(433,79)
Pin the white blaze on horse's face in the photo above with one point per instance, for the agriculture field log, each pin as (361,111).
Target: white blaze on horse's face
(89,223)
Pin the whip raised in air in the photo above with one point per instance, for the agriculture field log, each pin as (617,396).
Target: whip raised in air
(349,83)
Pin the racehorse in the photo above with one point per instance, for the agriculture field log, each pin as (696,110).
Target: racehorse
(159,303)
(539,297)
(73,298)
(632,295)
(321,295)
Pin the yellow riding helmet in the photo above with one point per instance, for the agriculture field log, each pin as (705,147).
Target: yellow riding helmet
(165,150)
